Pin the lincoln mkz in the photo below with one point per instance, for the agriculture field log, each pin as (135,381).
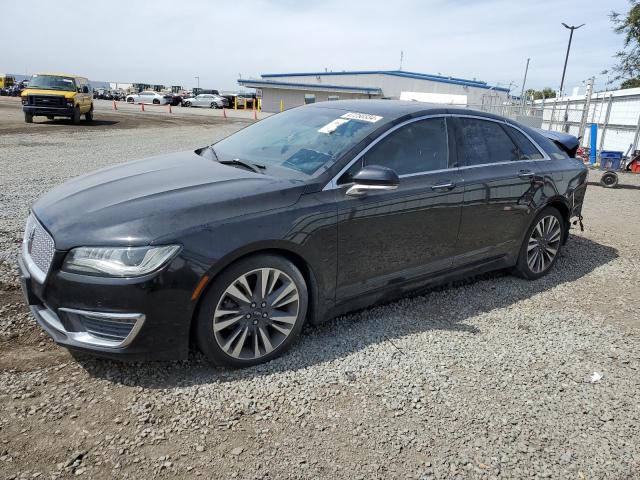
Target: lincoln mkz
(303,216)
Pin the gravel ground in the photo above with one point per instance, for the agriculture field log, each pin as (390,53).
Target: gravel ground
(487,378)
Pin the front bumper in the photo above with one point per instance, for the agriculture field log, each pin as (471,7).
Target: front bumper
(146,318)
(48,111)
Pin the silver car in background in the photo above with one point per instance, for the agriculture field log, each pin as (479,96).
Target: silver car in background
(206,100)
(149,97)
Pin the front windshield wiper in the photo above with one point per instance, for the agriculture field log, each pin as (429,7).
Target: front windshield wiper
(254,167)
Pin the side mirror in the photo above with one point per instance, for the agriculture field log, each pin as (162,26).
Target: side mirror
(373,178)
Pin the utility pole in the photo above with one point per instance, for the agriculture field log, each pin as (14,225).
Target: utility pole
(566,58)
(401,58)
(198,80)
(585,108)
(526,70)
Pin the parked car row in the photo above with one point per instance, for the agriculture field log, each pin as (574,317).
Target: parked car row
(106,94)
(14,90)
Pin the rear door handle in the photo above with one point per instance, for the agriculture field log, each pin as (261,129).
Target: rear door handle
(443,186)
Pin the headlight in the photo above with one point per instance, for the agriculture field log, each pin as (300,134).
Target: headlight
(118,262)
(69,101)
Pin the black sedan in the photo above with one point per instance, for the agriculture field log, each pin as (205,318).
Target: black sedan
(300,217)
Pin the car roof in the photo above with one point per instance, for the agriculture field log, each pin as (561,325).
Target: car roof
(391,109)
(61,75)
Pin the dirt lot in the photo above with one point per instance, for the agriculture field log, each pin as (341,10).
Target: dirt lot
(489,378)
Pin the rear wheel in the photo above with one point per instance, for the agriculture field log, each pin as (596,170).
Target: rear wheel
(76,116)
(28,117)
(156,101)
(609,180)
(253,312)
(89,115)
(187,104)
(130,100)
(541,244)
(213,105)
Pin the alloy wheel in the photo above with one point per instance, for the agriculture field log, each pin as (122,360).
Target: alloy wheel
(544,243)
(256,313)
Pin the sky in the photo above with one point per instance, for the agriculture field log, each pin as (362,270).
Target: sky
(171,42)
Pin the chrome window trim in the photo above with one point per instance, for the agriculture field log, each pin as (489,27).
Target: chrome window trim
(332,184)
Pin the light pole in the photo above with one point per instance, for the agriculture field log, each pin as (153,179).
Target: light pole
(526,70)
(566,58)
(198,80)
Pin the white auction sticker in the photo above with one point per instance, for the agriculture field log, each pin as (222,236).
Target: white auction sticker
(332,126)
(363,117)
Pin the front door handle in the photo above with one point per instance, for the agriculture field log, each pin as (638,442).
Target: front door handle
(526,174)
(444,186)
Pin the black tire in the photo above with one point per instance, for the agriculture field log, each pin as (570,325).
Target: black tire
(187,104)
(205,335)
(522,268)
(156,101)
(609,180)
(213,105)
(130,100)
(89,115)
(28,117)
(76,116)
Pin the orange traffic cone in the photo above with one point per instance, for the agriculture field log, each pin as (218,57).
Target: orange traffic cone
(224,112)
(142,107)
(115,107)
(169,107)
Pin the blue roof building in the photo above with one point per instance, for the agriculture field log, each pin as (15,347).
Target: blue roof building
(294,89)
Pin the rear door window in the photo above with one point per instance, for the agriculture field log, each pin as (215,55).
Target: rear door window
(482,142)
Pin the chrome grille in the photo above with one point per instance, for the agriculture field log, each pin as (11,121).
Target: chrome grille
(37,248)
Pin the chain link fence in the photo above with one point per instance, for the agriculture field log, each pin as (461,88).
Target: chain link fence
(616,113)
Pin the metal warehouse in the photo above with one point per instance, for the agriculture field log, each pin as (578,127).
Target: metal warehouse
(286,90)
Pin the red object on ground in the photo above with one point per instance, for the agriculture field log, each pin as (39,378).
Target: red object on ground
(169,107)
(635,166)
(115,107)
(142,107)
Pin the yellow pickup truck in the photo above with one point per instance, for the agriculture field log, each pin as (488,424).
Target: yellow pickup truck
(55,95)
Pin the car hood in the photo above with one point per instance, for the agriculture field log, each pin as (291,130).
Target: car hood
(138,202)
(41,91)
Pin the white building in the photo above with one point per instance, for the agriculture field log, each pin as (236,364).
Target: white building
(295,89)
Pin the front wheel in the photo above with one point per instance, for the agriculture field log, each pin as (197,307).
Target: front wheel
(156,101)
(130,100)
(76,116)
(541,245)
(252,312)
(28,117)
(187,104)
(213,105)
(89,115)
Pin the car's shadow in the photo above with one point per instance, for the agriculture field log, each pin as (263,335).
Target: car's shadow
(341,337)
(83,123)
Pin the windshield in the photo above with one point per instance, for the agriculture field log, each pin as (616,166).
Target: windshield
(53,82)
(304,139)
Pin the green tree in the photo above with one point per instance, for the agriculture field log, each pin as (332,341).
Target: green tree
(631,83)
(540,94)
(628,66)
